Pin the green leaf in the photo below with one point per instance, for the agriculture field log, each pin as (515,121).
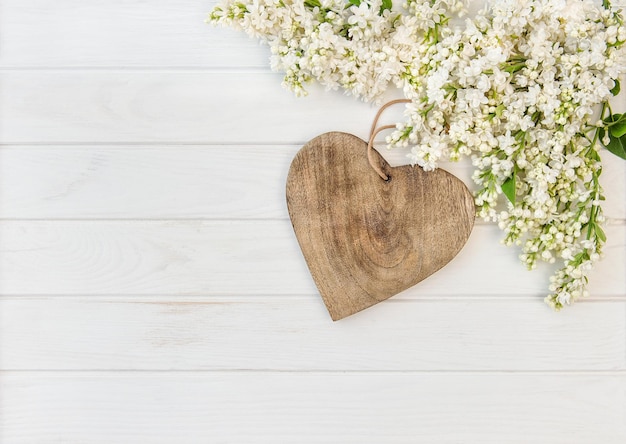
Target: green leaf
(387,4)
(355,2)
(600,233)
(616,145)
(619,149)
(618,129)
(508,188)
(616,89)
(312,4)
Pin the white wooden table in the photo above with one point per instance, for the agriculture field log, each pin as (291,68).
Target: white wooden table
(152,290)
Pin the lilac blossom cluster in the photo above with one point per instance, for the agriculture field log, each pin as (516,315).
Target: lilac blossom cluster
(522,89)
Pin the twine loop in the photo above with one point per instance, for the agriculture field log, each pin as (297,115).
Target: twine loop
(374,132)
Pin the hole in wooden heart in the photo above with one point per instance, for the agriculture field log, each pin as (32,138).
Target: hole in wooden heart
(366,239)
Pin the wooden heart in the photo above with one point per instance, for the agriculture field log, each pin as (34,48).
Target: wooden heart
(366,239)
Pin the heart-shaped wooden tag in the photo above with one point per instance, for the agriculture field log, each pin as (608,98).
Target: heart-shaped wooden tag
(366,239)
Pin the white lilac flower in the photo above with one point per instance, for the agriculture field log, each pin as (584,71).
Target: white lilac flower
(515,88)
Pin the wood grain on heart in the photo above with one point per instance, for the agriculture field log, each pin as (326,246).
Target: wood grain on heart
(366,239)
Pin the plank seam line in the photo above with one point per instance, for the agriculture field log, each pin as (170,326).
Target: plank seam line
(138,220)
(208,298)
(568,372)
(145,144)
(182,69)
(52,220)
(156,220)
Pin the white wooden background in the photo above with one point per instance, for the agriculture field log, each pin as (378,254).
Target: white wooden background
(152,290)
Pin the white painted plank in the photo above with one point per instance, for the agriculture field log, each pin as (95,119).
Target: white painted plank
(134,33)
(124,33)
(296,333)
(312,408)
(215,182)
(144,182)
(238,257)
(169,106)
